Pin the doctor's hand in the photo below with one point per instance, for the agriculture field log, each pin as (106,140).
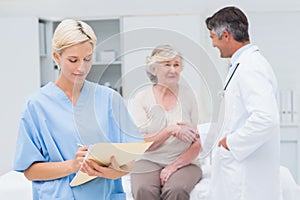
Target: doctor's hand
(185,132)
(113,171)
(223,143)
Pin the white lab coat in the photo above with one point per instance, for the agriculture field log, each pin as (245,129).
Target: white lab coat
(250,170)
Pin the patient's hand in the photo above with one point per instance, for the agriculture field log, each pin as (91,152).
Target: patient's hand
(186,133)
(166,173)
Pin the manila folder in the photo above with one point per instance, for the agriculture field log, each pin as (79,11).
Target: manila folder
(102,153)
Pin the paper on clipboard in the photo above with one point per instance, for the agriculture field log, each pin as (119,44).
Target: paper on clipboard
(102,152)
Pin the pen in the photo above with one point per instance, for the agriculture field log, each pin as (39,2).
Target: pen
(80,145)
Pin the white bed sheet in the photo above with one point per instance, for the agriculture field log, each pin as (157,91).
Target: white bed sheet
(14,186)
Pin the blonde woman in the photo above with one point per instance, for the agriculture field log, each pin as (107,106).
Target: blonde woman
(67,112)
(165,114)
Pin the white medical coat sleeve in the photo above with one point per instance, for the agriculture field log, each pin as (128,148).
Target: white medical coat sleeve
(257,87)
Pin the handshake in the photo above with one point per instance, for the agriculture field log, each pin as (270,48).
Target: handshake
(184,132)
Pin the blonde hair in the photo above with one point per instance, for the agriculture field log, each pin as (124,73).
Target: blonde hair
(160,53)
(71,32)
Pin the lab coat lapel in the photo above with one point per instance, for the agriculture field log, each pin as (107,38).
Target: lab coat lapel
(239,60)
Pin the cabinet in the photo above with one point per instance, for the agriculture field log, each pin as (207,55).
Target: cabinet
(47,70)
(290,149)
(107,65)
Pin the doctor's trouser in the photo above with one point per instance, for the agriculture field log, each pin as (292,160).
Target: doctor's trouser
(146,184)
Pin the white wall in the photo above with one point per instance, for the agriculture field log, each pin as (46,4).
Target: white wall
(96,8)
(276,34)
(20,76)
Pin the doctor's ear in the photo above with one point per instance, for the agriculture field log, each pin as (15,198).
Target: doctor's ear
(226,34)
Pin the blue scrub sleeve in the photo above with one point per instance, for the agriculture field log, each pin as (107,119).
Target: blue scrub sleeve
(28,148)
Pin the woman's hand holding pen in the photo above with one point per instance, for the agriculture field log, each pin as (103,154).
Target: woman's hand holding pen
(79,157)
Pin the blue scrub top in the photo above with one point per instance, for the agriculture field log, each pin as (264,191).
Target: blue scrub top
(51,127)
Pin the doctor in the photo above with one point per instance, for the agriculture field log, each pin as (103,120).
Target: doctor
(246,162)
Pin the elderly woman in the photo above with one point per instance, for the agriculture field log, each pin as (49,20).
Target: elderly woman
(166,115)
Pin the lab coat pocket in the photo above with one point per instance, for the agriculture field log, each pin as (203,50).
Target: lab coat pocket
(231,171)
(227,161)
(225,155)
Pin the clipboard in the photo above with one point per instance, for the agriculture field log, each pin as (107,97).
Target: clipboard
(102,152)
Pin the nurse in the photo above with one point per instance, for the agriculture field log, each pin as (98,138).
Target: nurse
(67,112)
(246,162)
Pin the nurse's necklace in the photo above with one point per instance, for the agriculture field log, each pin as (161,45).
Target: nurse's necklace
(231,77)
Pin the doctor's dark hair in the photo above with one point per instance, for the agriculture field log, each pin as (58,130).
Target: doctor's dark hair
(231,19)
(71,32)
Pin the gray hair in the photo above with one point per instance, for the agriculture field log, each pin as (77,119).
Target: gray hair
(160,53)
(231,19)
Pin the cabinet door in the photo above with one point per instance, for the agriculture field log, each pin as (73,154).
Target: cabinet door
(21,76)
(185,32)
(106,68)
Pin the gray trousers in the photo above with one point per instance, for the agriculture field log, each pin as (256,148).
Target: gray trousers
(145,182)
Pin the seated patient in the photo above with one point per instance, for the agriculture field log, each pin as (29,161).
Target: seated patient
(166,114)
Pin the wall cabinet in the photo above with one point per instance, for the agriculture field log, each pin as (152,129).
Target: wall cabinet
(108,74)
(107,67)
(107,64)
(290,149)
(48,72)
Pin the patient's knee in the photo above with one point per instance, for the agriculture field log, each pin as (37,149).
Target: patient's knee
(145,192)
(175,192)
